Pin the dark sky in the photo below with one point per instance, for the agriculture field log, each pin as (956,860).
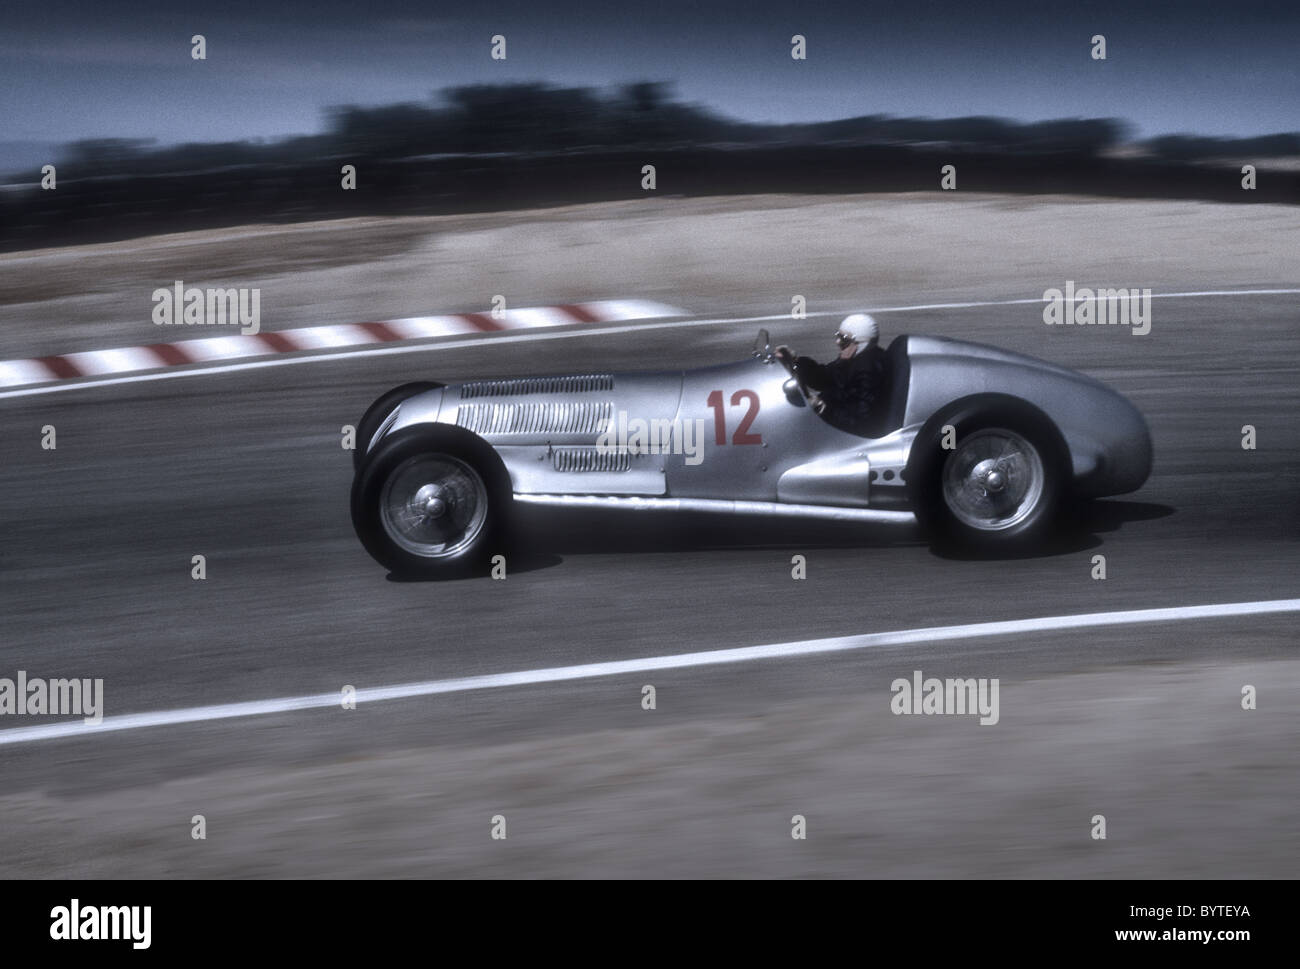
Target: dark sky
(121,68)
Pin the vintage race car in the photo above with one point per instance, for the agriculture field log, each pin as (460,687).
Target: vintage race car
(979,445)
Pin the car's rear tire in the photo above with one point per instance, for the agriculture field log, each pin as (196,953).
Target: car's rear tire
(378,412)
(999,486)
(431,502)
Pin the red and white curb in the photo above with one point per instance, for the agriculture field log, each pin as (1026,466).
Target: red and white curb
(98,363)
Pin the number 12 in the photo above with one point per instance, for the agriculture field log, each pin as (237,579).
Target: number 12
(742,435)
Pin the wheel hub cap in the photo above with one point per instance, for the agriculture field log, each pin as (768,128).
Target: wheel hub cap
(990,476)
(433,505)
(993,479)
(429,501)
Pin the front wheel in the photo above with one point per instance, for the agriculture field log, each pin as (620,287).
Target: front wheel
(426,504)
(999,483)
(378,412)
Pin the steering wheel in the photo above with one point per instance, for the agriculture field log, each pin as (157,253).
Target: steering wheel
(788,363)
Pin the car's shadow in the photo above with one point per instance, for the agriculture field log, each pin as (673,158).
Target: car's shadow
(545,536)
(1078,530)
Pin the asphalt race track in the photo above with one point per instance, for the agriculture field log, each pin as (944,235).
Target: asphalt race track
(1140,723)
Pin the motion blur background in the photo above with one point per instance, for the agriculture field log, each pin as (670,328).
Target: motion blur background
(145,138)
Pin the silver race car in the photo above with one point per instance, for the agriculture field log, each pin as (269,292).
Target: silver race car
(978,445)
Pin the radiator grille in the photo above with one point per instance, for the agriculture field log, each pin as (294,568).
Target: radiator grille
(584,384)
(589,459)
(569,417)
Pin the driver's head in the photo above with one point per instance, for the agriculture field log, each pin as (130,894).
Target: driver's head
(855,332)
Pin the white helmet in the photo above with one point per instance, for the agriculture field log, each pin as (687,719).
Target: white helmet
(861,328)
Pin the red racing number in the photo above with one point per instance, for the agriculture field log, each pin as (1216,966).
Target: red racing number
(742,435)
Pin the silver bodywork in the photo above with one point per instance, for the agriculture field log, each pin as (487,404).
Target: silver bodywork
(546,431)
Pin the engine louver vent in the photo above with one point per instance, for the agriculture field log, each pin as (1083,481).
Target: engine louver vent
(589,459)
(538,385)
(569,417)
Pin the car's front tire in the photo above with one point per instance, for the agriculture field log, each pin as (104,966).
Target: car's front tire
(378,412)
(431,502)
(998,486)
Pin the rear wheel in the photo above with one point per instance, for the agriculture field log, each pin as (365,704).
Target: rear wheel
(428,504)
(1000,483)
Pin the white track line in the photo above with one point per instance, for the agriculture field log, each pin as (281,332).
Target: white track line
(1077,299)
(744,654)
(582,330)
(529,334)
